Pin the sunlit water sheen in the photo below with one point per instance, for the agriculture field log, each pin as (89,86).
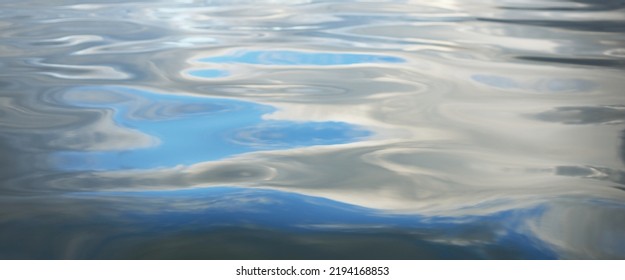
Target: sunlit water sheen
(304,129)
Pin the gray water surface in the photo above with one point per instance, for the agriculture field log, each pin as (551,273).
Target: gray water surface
(304,129)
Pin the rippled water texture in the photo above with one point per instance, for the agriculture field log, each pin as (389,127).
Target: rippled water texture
(305,129)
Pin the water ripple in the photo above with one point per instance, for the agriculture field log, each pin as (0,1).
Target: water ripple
(421,129)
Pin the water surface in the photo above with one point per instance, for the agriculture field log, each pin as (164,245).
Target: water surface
(303,129)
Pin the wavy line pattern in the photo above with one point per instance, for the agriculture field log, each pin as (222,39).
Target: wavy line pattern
(425,129)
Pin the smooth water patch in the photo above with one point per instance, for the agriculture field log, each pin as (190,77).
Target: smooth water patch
(192,129)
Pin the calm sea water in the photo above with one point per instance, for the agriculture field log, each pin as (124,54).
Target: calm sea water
(299,129)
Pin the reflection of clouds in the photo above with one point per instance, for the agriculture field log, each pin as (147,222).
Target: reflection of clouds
(452,132)
(303,86)
(288,57)
(518,134)
(228,173)
(238,62)
(575,61)
(589,25)
(123,224)
(18,114)
(224,200)
(103,134)
(619,52)
(587,230)
(116,28)
(65,41)
(136,104)
(539,85)
(281,91)
(239,2)
(585,115)
(590,115)
(208,73)
(437,36)
(281,135)
(426,180)
(187,130)
(590,172)
(65,71)
(422,167)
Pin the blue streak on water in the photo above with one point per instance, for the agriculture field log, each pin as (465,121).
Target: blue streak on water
(293,212)
(208,73)
(225,127)
(300,58)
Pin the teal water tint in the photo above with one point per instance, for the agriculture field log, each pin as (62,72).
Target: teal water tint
(192,129)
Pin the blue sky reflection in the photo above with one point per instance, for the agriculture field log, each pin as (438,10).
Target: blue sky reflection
(217,207)
(193,129)
(208,73)
(282,57)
